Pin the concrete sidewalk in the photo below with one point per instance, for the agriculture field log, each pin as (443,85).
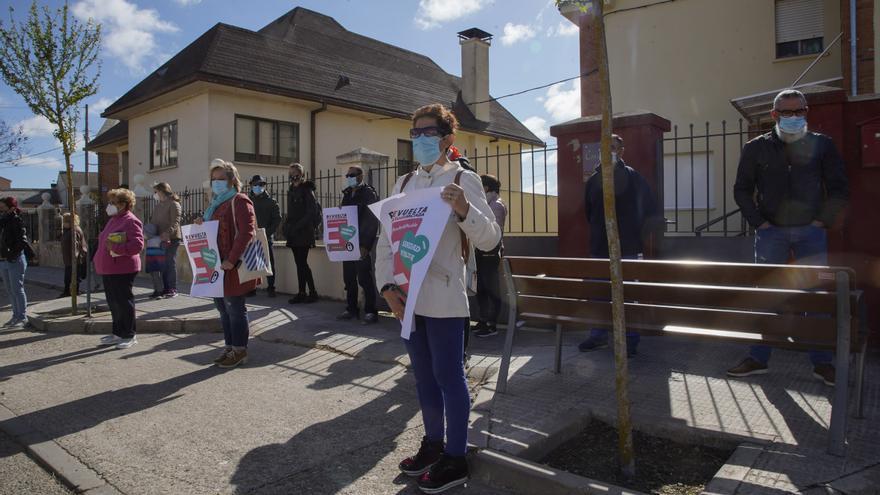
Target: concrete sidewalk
(318,393)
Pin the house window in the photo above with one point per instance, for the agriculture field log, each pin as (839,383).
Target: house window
(163,145)
(266,141)
(800,27)
(404,156)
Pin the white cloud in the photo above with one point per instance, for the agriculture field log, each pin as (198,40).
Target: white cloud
(187,3)
(433,13)
(37,127)
(128,30)
(564,28)
(563,104)
(538,126)
(514,33)
(99,105)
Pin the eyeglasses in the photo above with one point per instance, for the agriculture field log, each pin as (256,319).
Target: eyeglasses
(800,112)
(353,175)
(431,131)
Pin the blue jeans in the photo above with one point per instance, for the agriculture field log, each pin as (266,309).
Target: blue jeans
(234,319)
(13,280)
(808,245)
(169,269)
(435,349)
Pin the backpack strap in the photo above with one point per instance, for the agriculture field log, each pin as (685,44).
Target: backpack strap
(465,244)
(406,179)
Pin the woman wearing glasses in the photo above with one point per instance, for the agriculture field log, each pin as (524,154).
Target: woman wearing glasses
(435,347)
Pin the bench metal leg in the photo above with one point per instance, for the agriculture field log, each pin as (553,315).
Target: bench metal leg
(837,430)
(511,329)
(558,365)
(860,379)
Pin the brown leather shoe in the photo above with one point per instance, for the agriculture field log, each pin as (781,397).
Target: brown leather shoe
(233,358)
(222,356)
(825,372)
(747,367)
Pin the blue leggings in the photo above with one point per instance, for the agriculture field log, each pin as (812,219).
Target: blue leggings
(435,349)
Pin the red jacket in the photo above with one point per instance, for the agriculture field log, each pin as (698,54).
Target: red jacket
(232,241)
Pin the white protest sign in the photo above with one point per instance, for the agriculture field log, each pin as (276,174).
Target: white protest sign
(414,222)
(341,234)
(200,242)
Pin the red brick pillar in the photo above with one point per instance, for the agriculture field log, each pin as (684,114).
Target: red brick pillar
(578,142)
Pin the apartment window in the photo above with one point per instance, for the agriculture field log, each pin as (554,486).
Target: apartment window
(404,156)
(800,27)
(163,145)
(266,141)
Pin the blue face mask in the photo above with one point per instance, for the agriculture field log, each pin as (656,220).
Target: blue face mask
(426,150)
(792,125)
(351,181)
(219,187)
(257,190)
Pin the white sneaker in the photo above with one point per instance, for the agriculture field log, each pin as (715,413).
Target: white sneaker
(10,323)
(126,343)
(111,340)
(18,324)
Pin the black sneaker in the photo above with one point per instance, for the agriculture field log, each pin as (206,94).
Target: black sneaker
(447,473)
(312,297)
(347,315)
(270,292)
(157,294)
(429,453)
(487,331)
(297,299)
(481,325)
(370,318)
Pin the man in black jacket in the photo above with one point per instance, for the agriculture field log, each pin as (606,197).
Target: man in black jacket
(637,216)
(801,190)
(269,218)
(357,193)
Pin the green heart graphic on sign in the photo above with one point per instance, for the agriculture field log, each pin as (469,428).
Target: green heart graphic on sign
(412,249)
(210,257)
(348,231)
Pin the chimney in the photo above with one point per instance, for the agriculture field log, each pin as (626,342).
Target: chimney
(475,71)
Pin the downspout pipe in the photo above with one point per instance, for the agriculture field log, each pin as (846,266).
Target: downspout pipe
(313,168)
(853,56)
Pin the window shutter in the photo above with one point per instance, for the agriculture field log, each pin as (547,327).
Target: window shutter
(799,20)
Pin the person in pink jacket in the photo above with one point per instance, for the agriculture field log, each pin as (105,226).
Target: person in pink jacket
(118,261)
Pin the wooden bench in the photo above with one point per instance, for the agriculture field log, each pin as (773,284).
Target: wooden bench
(788,306)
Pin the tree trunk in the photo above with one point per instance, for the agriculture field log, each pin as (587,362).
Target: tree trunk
(71,206)
(621,375)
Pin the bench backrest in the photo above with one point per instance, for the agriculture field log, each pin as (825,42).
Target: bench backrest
(787,305)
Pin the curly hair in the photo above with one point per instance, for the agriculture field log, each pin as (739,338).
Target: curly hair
(122,196)
(445,118)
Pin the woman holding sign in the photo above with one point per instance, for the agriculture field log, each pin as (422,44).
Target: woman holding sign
(436,345)
(118,261)
(237,225)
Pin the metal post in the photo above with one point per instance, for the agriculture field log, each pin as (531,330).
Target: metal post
(88,231)
(558,363)
(511,327)
(837,430)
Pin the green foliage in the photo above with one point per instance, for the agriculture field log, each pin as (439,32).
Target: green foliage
(51,60)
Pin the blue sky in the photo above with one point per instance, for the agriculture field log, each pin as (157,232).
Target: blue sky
(532,45)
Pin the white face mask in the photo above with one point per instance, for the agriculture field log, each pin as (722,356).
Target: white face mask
(112,210)
(157,197)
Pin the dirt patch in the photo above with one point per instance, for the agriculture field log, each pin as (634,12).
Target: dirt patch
(663,467)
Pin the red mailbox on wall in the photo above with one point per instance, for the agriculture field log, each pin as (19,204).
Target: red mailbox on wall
(870,143)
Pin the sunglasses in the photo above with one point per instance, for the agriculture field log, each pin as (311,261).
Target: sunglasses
(295,177)
(800,112)
(432,131)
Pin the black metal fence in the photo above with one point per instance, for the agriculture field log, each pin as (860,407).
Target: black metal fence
(31,224)
(528,177)
(698,175)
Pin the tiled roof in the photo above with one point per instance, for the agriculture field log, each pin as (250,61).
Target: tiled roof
(303,54)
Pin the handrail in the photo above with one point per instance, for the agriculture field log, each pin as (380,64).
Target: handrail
(700,228)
